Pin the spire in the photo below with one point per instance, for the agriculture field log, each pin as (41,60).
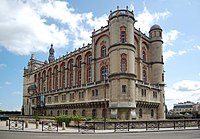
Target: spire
(51,54)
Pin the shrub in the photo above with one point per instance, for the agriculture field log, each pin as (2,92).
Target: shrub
(64,118)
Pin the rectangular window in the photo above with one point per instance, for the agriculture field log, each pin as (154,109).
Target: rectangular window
(97,93)
(55,98)
(49,99)
(154,94)
(143,92)
(123,36)
(64,97)
(123,88)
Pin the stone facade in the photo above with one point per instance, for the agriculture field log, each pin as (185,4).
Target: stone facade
(120,75)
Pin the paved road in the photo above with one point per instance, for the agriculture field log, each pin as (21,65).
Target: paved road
(189,134)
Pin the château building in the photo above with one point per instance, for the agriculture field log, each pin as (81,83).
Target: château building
(119,75)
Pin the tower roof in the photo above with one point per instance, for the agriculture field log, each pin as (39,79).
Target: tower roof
(155,27)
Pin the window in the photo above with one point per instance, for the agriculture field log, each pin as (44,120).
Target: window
(140,113)
(103,51)
(70,72)
(89,67)
(44,81)
(104,113)
(154,94)
(38,82)
(66,112)
(55,99)
(104,73)
(64,97)
(144,55)
(143,92)
(74,112)
(144,76)
(94,113)
(62,75)
(152,113)
(49,99)
(58,113)
(55,81)
(35,77)
(49,75)
(81,95)
(78,70)
(123,62)
(123,88)
(83,113)
(123,34)
(89,74)
(95,92)
(71,96)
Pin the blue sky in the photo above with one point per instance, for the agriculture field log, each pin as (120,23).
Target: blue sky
(30,26)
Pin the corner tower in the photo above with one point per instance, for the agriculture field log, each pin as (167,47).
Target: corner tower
(122,64)
(156,60)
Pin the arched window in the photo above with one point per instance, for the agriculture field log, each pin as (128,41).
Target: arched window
(104,73)
(39,82)
(152,113)
(49,76)
(123,62)
(44,81)
(123,34)
(94,113)
(74,112)
(78,70)
(89,67)
(104,113)
(140,113)
(62,75)
(70,72)
(35,78)
(103,51)
(144,56)
(51,113)
(144,76)
(55,79)
(66,112)
(83,113)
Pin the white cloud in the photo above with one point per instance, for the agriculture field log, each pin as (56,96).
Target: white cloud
(16,93)
(8,83)
(182,52)
(182,91)
(168,54)
(30,26)
(3,66)
(147,19)
(187,85)
(198,47)
(169,37)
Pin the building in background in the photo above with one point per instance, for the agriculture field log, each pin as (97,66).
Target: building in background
(119,75)
(182,108)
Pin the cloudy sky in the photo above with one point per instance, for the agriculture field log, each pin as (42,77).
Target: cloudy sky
(30,26)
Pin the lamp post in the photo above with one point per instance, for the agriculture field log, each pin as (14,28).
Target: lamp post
(105,110)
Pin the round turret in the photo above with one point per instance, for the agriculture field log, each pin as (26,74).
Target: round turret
(155,33)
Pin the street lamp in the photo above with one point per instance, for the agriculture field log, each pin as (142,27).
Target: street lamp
(105,110)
